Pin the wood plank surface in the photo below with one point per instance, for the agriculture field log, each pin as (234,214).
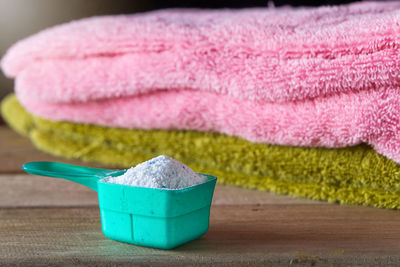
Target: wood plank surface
(46,221)
(304,234)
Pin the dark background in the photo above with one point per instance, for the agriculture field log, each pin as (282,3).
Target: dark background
(21,18)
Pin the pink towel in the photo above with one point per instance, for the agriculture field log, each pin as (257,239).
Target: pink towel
(312,77)
(277,55)
(371,116)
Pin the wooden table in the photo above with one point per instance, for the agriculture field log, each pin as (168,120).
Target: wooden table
(45,221)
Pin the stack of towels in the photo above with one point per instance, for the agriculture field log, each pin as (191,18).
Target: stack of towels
(299,101)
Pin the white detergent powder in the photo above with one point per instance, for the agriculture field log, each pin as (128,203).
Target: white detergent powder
(159,172)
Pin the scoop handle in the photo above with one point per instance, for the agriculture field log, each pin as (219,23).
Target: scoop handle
(82,175)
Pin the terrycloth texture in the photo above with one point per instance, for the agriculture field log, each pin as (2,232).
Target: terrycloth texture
(279,54)
(311,77)
(356,175)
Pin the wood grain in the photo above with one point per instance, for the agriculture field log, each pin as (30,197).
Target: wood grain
(301,234)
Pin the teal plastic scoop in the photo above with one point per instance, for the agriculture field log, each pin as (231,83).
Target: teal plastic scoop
(159,218)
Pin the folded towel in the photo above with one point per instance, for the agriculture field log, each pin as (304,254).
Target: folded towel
(278,54)
(311,77)
(341,120)
(354,175)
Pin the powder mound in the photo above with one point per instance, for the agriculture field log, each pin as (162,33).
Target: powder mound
(160,172)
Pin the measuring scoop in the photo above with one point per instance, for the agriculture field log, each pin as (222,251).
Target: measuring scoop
(151,217)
